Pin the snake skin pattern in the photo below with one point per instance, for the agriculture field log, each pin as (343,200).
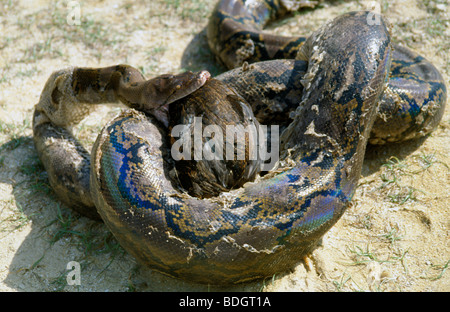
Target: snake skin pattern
(329,99)
(412,104)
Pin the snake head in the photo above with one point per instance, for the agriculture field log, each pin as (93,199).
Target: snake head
(171,88)
(163,90)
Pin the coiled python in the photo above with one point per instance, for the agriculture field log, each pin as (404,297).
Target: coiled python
(329,99)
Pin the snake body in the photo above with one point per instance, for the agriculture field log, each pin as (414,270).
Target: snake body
(325,102)
(411,106)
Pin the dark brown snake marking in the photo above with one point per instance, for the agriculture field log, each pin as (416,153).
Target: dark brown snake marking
(330,95)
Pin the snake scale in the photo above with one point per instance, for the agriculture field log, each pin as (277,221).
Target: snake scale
(330,94)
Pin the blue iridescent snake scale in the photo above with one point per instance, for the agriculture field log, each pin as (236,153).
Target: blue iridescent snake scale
(330,99)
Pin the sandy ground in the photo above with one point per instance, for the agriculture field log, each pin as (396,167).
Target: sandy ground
(395,236)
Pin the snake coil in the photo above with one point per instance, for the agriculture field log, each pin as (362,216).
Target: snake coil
(330,98)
